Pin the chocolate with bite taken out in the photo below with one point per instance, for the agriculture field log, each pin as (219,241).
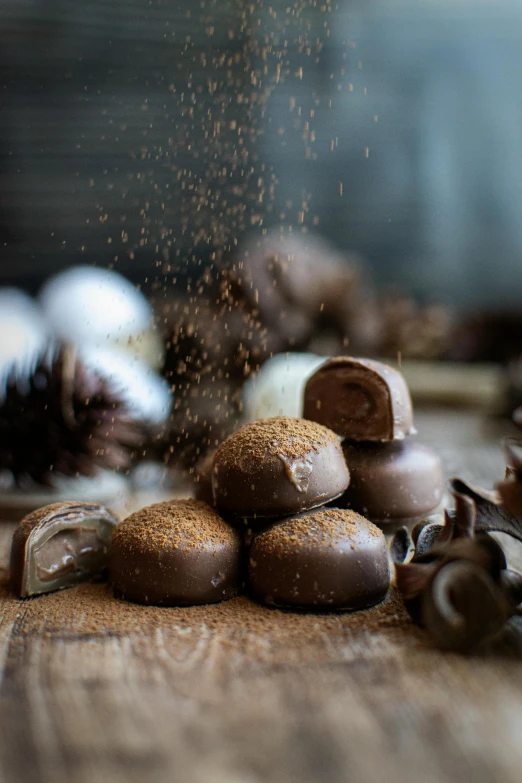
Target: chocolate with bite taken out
(280,466)
(360,399)
(396,482)
(329,558)
(179,553)
(59,545)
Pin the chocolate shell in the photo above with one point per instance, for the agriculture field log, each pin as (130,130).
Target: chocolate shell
(178,553)
(329,558)
(396,482)
(275,467)
(360,399)
(59,545)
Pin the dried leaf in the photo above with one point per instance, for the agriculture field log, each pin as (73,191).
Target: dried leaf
(491,514)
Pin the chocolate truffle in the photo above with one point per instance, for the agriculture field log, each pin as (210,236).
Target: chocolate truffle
(203,479)
(280,466)
(360,399)
(177,553)
(396,482)
(60,545)
(327,558)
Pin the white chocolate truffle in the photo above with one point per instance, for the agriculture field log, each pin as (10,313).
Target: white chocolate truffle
(98,307)
(146,395)
(278,388)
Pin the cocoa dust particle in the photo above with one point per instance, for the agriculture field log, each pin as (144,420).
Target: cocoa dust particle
(185,523)
(279,436)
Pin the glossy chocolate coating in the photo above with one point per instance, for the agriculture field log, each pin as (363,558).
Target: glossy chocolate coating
(400,481)
(275,467)
(359,399)
(178,553)
(329,558)
(60,545)
(203,479)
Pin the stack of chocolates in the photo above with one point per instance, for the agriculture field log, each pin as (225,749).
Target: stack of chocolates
(395,479)
(277,474)
(291,508)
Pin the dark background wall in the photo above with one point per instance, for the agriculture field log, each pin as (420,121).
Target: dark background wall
(142,133)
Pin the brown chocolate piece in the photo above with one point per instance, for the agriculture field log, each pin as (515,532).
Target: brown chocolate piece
(204,414)
(60,545)
(360,399)
(327,558)
(489,335)
(274,467)
(178,553)
(203,479)
(275,270)
(396,482)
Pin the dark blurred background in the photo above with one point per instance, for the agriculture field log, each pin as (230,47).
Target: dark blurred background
(145,134)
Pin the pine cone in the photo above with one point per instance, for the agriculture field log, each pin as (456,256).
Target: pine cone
(63,418)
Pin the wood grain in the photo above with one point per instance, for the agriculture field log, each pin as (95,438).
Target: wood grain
(107,691)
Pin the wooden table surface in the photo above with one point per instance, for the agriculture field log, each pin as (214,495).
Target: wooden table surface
(93,689)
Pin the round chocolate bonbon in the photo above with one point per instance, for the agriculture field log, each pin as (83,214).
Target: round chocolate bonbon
(280,466)
(400,481)
(329,558)
(178,553)
(203,479)
(360,399)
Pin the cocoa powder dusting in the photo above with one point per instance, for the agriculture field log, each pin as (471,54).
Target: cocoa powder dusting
(253,632)
(280,436)
(187,523)
(327,527)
